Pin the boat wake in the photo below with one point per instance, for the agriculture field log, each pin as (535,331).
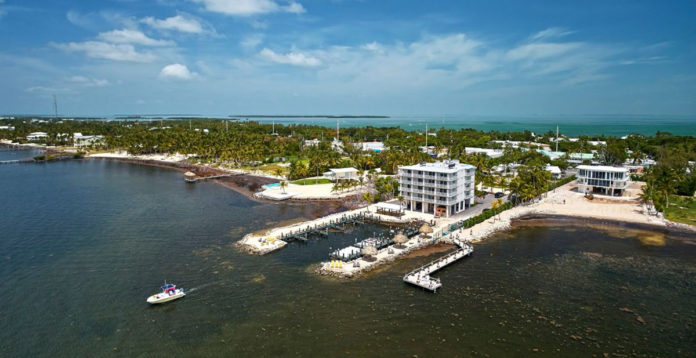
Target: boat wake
(200,287)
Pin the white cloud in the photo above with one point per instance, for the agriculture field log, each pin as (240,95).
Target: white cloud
(291,58)
(175,23)
(127,36)
(535,51)
(250,7)
(294,8)
(108,51)
(46,89)
(78,19)
(177,71)
(551,32)
(372,46)
(250,42)
(89,82)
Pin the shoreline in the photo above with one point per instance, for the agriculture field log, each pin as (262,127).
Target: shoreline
(244,184)
(563,202)
(550,206)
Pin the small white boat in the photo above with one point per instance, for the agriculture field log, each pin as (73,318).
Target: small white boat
(169,293)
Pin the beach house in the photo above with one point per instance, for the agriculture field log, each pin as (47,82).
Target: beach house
(441,188)
(34,136)
(341,174)
(601,179)
(80,140)
(554,170)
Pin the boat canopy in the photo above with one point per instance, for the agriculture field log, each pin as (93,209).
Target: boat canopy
(168,287)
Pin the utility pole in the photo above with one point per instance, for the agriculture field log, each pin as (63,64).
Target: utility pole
(557,138)
(189,124)
(426,139)
(227,126)
(55,107)
(337,130)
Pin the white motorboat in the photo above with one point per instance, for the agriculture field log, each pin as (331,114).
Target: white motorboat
(169,293)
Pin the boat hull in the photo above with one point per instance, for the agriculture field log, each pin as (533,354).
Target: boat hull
(163,298)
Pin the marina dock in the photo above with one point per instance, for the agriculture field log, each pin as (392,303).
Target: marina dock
(276,238)
(421,276)
(322,227)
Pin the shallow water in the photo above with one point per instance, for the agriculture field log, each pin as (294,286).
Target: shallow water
(83,243)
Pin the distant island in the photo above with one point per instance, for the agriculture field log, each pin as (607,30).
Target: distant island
(303,116)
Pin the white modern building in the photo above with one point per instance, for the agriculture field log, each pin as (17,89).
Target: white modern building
(554,170)
(341,174)
(491,153)
(600,179)
(80,140)
(311,142)
(34,136)
(370,146)
(441,188)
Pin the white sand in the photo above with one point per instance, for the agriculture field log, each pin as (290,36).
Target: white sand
(315,191)
(168,158)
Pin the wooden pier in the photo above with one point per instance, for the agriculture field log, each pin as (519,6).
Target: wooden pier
(322,228)
(421,276)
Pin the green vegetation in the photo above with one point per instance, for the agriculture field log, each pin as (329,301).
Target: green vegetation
(682,209)
(311,181)
(672,175)
(43,158)
(284,154)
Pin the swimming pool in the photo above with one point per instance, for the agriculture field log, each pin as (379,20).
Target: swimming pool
(268,186)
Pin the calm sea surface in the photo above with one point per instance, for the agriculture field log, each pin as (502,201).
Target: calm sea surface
(610,125)
(83,243)
(569,125)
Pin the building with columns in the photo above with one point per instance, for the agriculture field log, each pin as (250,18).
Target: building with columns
(442,188)
(600,179)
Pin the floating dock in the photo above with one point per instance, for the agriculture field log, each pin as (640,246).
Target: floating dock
(421,276)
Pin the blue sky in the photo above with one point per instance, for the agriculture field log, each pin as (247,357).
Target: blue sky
(348,57)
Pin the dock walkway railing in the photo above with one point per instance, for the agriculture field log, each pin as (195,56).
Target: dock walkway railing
(421,276)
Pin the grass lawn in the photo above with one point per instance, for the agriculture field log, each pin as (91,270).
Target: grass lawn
(682,209)
(312,181)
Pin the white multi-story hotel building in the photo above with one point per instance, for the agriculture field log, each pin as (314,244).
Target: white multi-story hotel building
(442,188)
(603,179)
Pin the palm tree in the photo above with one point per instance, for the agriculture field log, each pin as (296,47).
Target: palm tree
(647,194)
(367,198)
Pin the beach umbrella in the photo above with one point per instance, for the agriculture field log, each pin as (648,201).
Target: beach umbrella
(425,229)
(400,239)
(369,251)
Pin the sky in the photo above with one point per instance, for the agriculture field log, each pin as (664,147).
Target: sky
(436,57)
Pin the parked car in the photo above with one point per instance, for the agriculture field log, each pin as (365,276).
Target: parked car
(499,194)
